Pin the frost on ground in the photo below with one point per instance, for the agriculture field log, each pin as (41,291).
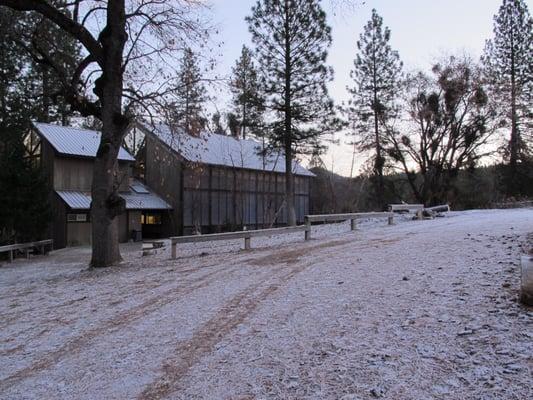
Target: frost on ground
(418,310)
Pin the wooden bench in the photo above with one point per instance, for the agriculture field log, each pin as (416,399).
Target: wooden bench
(11,248)
(353,217)
(246,235)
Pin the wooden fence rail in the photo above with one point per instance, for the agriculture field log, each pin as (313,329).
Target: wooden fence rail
(11,248)
(353,217)
(246,235)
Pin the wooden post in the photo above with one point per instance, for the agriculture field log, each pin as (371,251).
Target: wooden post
(419,214)
(353,224)
(308,228)
(247,243)
(173,247)
(27,253)
(11,256)
(391,220)
(526,292)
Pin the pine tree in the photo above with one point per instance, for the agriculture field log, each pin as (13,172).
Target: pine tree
(49,48)
(48,39)
(217,127)
(187,107)
(28,91)
(248,100)
(377,77)
(233,124)
(292,40)
(509,68)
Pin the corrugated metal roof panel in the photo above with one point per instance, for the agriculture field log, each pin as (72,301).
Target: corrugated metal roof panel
(138,187)
(143,201)
(75,200)
(74,141)
(224,150)
(134,201)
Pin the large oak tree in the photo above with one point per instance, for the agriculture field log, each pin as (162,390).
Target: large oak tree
(123,42)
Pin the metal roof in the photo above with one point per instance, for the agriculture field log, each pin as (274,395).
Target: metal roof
(74,141)
(77,200)
(223,150)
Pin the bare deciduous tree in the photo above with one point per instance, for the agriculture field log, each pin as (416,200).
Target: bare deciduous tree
(450,121)
(127,48)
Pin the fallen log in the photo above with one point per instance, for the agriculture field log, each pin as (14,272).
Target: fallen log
(442,208)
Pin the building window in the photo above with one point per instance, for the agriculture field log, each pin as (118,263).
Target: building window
(77,218)
(151,219)
(32,145)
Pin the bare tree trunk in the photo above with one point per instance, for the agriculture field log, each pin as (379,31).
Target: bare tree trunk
(378,165)
(514,140)
(45,94)
(107,205)
(289,177)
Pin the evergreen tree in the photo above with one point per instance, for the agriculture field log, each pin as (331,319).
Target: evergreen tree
(508,62)
(217,127)
(292,40)
(187,107)
(377,76)
(248,101)
(233,124)
(45,49)
(28,91)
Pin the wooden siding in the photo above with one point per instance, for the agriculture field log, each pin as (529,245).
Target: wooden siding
(77,174)
(58,229)
(78,233)
(215,198)
(220,199)
(163,174)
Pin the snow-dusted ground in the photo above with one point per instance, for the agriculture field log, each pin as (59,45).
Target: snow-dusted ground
(418,310)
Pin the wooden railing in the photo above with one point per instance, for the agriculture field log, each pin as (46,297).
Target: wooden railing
(353,217)
(246,235)
(11,248)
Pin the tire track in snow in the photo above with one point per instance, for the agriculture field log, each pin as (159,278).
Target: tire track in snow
(212,332)
(114,324)
(161,299)
(233,313)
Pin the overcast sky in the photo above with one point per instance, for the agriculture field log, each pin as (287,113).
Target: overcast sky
(422,30)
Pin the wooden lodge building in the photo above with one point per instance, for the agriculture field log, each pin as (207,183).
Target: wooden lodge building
(173,184)
(66,155)
(218,183)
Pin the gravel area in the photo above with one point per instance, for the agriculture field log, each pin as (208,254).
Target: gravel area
(417,310)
